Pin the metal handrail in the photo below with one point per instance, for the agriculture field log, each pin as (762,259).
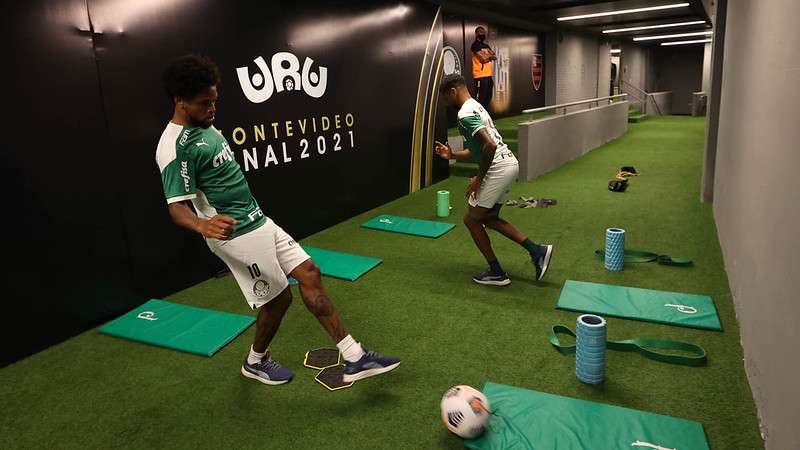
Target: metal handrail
(647,96)
(565,105)
(635,87)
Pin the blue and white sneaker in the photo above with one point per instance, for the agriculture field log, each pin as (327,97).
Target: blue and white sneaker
(267,371)
(542,259)
(372,363)
(490,278)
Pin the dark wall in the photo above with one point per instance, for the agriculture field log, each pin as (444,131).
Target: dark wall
(66,251)
(678,69)
(91,236)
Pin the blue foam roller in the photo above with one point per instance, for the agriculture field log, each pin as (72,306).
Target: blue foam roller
(590,358)
(590,349)
(589,379)
(615,249)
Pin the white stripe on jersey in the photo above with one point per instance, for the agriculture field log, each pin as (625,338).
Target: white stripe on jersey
(165,152)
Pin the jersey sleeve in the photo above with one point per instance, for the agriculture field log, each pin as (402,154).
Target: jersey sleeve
(471,123)
(178,173)
(178,178)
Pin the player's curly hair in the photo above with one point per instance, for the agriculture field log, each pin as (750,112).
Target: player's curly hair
(188,75)
(451,81)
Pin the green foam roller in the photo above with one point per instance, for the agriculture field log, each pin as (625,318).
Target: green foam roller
(443,203)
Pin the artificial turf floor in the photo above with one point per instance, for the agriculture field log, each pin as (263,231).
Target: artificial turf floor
(94,391)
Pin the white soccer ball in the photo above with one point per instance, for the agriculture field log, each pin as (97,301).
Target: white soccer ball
(465,411)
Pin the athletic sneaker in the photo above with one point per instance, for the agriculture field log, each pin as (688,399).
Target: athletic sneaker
(267,371)
(372,363)
(542,259)
(489,277)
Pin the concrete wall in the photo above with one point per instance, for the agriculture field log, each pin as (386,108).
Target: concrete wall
(706,85)
(756,202)
(603,69)
(659,104)
(546,144)
(577,70)
(634,70)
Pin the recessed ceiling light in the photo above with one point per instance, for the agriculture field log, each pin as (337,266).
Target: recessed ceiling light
(615,51)
(650,27)
(698,41)
(624,11)
(668,36)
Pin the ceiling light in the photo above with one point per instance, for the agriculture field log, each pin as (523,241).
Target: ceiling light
(624,11)
(650,27)
(698,41)
(615,51)
(668,36)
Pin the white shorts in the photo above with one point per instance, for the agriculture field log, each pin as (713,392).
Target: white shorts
(496,184)
(260,261)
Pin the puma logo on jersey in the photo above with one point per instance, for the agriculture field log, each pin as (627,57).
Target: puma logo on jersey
(202,143)
(185,174)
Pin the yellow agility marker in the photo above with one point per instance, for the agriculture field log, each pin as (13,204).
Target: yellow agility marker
(333,378)
(322,358)
(330,365)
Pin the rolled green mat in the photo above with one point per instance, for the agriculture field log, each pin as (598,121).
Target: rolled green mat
(443,203)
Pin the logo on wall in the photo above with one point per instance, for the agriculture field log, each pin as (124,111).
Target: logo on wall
(536,70)
(451,62)
(285,75)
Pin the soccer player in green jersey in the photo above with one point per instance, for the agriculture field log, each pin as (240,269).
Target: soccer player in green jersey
(197,165)
(486,192)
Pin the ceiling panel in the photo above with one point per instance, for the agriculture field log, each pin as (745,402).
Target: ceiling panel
(547,11)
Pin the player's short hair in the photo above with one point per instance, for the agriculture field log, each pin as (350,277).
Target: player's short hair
(185,77)
(451,81)
(479,28)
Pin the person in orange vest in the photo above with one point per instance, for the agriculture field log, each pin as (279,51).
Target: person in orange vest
(482,57)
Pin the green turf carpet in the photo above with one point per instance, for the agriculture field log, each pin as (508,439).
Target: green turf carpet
(96,392)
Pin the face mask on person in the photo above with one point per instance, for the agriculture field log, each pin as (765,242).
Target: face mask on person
(481,37)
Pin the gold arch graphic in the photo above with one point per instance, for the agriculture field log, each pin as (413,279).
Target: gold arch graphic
(423,98)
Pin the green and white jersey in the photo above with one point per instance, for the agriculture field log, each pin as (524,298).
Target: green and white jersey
(197,164)
(472,117)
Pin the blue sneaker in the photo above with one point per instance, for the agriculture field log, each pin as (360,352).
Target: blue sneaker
(372,363)
(541,259)
(267,371)
(490,278)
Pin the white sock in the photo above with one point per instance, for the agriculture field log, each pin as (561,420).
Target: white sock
(351,350)
(255,357)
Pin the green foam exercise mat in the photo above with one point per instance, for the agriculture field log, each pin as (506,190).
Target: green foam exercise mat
(179,327)
(523,419)
(406,225)
(341,265)
(671,308)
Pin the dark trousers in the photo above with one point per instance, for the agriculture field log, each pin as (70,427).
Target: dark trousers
(484,88)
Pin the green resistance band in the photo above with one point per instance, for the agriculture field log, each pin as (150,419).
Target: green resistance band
(638,256)
(641,346)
